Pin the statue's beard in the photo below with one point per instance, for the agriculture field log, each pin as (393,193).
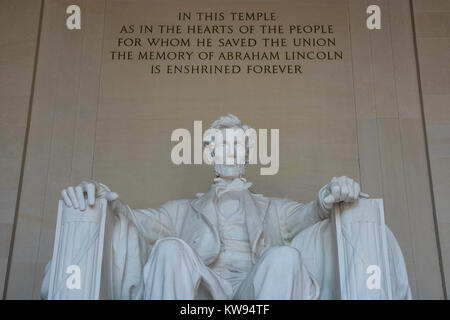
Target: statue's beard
(229,171)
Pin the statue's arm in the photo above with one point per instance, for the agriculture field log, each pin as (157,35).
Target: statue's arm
(152,224)
(295,217)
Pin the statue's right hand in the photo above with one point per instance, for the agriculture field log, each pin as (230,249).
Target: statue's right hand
(85,194)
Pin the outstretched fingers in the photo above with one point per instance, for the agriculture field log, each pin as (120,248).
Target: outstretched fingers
(89,189)
(80,197)
(73,197)
(66,198)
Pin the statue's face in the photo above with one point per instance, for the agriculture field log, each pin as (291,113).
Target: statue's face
(229,171)
(230,163)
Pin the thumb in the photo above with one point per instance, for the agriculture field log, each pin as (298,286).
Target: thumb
(110,196)
(328,201)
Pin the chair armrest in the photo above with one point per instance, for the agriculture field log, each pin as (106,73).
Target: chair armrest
(77,254)
(362,249)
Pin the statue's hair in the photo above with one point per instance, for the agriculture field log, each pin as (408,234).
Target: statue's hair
(228,121)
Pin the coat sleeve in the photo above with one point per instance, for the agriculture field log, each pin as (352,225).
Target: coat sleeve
(152,224)
(133,232)
(295,217)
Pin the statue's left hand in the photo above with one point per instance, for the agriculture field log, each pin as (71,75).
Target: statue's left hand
(338,190)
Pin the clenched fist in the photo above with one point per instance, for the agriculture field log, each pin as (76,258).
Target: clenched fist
(338,190)
(85,194)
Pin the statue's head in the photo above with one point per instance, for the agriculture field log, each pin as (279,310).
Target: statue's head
(228,142)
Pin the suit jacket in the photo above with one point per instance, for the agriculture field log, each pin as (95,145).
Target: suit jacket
(270,222)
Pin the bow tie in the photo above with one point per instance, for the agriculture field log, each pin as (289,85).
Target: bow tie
(222,186)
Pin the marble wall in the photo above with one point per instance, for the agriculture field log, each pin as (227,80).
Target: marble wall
(432,22)
(97,118)
(19,26)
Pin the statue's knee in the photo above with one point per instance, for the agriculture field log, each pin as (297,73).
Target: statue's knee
(283,256)
(166,258)
(169,248)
